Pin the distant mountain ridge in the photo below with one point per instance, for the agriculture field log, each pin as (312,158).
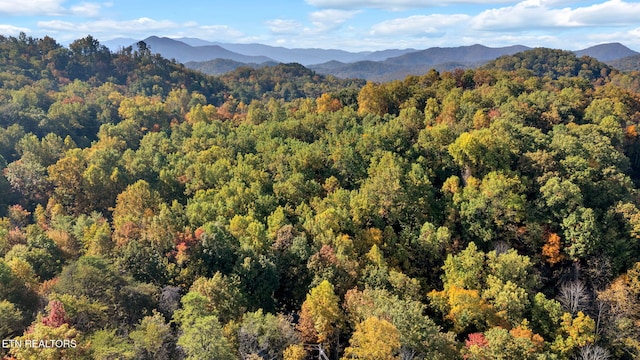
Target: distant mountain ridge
(174,49)
(191,49)
(462,54)
(629,63)
(418,62)
(218,58)
(607,52)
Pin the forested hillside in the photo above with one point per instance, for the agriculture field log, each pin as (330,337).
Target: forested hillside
(152,212)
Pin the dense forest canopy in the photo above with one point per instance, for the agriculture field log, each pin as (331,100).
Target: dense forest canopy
(153,212)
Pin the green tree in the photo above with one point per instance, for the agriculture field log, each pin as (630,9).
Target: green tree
(28,177)
(382,198)
(97,280)
(482,151)
(14,291)
(418,334)
(219,296)
(581,232)
(152,338)
(204,339)
(265,335)
(10,318)
(259,281)
(493,208)
(106,344)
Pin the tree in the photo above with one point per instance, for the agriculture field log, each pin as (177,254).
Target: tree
(483,290)
(622,318)
(265,335)
(575,332)
(593,352)
(464,308)
(143,262)
(28,177)
(106,345)
(71,345)
(503,344)
(66,341)
(83,313)
(328,103)
(68,181)
(508,299)
(581,232)
(382,198)
(493,208)
(482,151)
(374,339)
(105,176)
(135,207)
(573,296)
(204,339)
(40,252)
(322,310)
(465,269)
(93,278)
(10,318)
(15,292)
(294,352)
(152,338)
(57,316)
(552,249)
(561,197)
(89,58)
(373,99)
(219,296)
(419,336)
(259,281)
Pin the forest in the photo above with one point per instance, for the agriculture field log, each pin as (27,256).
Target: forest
(149,211)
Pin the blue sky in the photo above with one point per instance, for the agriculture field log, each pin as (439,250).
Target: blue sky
(335,24)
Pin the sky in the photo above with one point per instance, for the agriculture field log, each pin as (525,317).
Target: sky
(353,25)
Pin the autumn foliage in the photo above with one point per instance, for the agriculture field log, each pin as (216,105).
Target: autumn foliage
(150,211)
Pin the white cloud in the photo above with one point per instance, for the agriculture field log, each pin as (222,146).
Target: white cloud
(418,24)
(330,19)
(137,26)
(12,30)
(86,9)
(630,38)
(528,14)
(610,13)
(50,8)
(284,26)
(31,7)
(216,31)
(393,5)
(536,14)
(321,30)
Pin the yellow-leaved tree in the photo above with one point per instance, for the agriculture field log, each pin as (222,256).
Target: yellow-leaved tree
(321,316)
(374,339)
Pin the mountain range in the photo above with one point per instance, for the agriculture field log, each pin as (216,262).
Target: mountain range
(218,58)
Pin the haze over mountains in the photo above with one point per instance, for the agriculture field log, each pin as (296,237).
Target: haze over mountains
(218,58)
